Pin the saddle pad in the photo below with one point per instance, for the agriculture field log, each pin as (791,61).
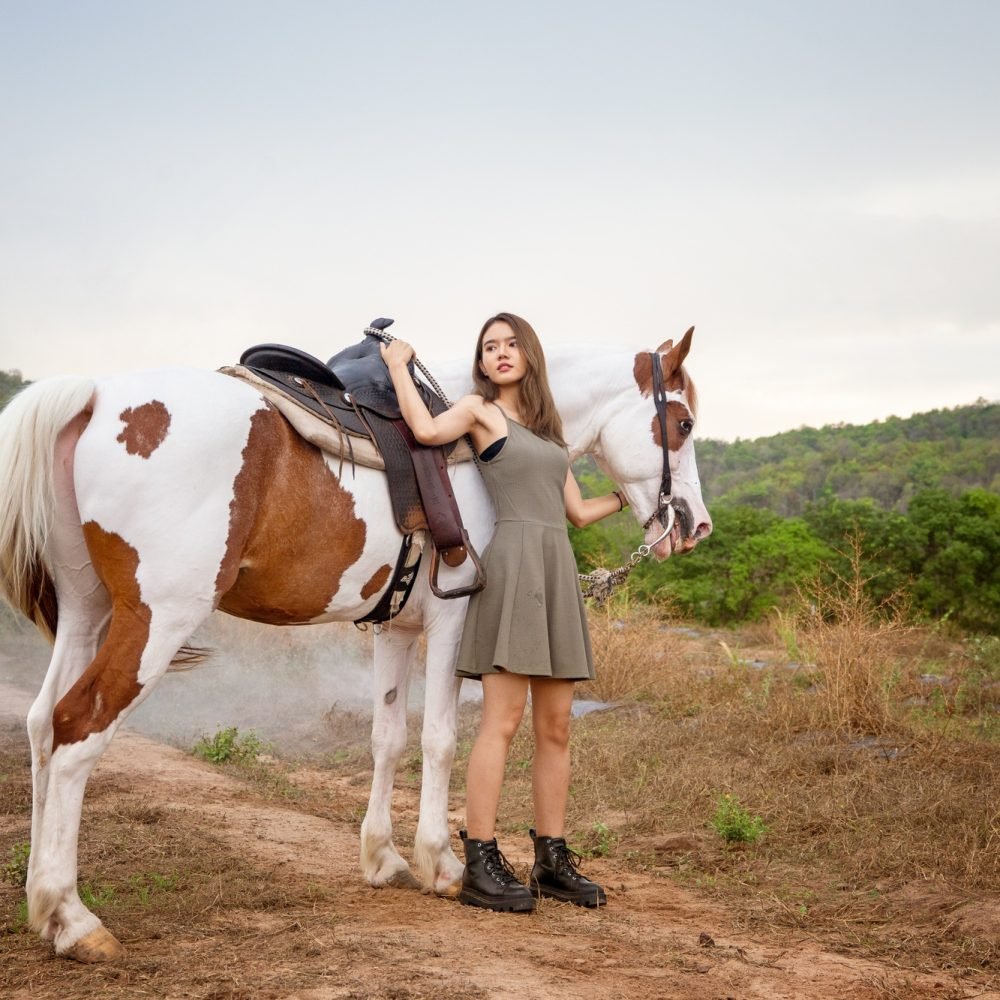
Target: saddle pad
(318,432)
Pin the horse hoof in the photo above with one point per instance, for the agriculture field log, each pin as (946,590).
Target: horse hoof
(451,891)
(97,946)
(403,879)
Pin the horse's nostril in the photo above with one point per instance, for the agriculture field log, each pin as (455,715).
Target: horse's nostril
(704,530)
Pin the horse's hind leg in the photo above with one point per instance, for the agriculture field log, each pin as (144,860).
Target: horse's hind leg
(142,638)
(83,611)
(80,625)
(395,650)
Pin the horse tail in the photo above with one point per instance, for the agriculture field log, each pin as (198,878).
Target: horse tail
(29,426)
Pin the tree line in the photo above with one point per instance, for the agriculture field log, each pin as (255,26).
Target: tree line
(919,497)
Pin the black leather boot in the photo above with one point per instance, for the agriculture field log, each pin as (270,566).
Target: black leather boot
(556,874)
(489,881)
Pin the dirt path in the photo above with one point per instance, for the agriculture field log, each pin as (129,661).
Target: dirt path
(653,940)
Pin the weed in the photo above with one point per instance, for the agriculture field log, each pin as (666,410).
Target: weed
(16,870)
(146,884)
(94,897)
(228,745)
(734,823)
(628,642)
(599,841)
(20,922)
(984,652)
(786,632)
(732,659)
(854,643)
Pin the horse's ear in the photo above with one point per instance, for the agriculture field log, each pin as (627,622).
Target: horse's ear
(664,347)
(675,355)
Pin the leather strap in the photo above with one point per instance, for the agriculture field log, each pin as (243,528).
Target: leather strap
(443,519)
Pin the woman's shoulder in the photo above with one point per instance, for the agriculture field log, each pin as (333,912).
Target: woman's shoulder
(479,406)
(485,414)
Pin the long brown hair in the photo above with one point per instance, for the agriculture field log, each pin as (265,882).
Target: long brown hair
(538,411)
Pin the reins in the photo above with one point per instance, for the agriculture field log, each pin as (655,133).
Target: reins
(601,583)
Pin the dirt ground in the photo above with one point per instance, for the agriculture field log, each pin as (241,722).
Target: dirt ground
(223,889)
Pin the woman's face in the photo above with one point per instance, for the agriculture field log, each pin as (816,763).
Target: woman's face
(501,360)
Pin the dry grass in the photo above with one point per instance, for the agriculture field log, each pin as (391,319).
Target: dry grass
(874,762)
(627,641)
(857,651)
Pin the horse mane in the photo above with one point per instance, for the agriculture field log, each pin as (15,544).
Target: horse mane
(690,390)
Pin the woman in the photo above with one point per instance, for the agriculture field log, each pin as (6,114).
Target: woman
(526,631)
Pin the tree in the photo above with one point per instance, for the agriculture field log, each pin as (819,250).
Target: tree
(11,382)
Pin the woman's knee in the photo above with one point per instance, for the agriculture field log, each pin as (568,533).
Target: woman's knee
(500,726)
(552,732)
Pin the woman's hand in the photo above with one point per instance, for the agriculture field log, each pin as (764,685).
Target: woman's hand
(397,354)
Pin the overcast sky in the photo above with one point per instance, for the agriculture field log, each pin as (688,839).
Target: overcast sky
(814,185)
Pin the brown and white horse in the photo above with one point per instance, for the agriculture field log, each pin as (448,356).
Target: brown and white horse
(133,506)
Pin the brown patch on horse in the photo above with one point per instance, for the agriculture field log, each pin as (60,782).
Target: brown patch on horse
(293,531)
(675,379)
(671,361)
(376,582)
(676,412)
(146,427)
(110,684)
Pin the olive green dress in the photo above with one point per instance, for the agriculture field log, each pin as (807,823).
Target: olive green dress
(529,619)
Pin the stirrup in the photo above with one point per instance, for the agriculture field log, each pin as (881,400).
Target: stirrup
(477,584)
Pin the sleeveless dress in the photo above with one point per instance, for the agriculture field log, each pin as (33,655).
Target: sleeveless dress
(529,618)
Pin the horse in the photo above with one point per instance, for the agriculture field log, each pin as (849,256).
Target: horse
(135,505)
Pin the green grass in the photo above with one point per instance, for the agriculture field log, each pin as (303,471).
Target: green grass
(228,745)
(16,870)
(734,823)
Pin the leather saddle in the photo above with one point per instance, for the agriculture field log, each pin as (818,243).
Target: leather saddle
(353,392)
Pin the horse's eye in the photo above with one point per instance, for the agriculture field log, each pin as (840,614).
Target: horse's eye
(687,426)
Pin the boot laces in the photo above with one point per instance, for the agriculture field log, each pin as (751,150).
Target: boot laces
(497,866)
(567,860)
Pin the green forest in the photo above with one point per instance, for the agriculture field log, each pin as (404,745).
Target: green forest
(919,497)
(10,382)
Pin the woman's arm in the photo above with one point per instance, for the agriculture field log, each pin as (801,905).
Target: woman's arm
(427,429)
(583,512)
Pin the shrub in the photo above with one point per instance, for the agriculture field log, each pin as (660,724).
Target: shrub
(227,745)
(734,823)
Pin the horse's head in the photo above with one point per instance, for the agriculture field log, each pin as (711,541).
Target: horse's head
(659,477)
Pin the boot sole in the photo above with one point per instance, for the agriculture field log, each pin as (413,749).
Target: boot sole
(498,906)
(592,900)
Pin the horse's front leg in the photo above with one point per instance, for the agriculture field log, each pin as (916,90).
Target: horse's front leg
(395,651)
(436,864)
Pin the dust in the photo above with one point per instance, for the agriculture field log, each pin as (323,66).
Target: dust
(297,688)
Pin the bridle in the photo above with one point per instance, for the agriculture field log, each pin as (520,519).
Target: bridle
(664,512)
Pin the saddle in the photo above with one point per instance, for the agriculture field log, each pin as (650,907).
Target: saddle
(353,394)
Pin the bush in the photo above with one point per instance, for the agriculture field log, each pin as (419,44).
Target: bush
(227,745)
(734,823)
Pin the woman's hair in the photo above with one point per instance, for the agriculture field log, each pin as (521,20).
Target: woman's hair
(537,408)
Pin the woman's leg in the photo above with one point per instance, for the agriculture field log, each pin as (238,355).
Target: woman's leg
(551,700)
(504,697)
(555,873)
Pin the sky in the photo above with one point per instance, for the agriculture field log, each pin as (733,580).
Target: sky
(815,186)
